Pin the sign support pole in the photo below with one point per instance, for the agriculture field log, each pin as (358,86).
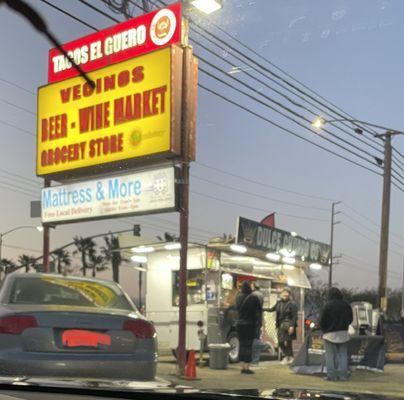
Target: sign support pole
(46,238)
(184,205)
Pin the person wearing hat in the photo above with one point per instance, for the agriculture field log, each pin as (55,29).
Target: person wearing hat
(286,324)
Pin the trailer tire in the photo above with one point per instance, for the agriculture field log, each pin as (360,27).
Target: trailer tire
(234,342)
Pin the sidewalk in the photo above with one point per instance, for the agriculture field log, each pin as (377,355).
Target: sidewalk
(271,375)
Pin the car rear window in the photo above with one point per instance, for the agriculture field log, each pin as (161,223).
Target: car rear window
(67,292)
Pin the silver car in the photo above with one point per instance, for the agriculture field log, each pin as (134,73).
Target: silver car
(52,325)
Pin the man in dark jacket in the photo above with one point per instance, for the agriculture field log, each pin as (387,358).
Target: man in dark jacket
(286,324)
(334,322)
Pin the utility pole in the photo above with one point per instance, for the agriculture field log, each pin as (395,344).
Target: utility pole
(384,230)
(46,239)
(184,199)
(333,223)
(402,294)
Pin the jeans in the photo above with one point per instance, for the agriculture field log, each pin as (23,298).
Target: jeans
(286,347)
(336,360)
(257,347)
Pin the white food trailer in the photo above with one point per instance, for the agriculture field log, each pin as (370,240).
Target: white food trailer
(215,272)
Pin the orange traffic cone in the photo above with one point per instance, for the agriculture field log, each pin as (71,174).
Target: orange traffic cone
(190,367)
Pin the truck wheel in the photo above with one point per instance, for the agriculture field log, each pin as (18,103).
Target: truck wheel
(234,343)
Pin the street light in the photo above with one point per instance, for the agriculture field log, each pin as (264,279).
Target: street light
(39,228)
(207,6)
(319,123)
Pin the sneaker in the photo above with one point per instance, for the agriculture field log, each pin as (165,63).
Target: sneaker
(327,378)
(284,361)
(289,360)
(247,371)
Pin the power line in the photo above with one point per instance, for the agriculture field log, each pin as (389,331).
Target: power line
(286,129)
(211,75)
(21,248)
(281,70)
(99,11)
(369,219)
(162,227)
(368,238)
(17,106)
(18,176)
(368,229)
(262,183)
(17,86)
(31,195)
(220,184)
(16,127)
(215,53)
(14,186)
(68,14)
(254,208)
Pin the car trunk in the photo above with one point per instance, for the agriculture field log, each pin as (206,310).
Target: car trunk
(77,329)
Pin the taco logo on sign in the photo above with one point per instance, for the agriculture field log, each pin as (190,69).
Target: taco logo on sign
(163,27)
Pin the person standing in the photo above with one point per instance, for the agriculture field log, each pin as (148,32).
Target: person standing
(248,307)
(334,322)
(258,346)
(286,324)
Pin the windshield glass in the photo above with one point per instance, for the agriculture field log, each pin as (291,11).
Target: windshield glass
(215,193)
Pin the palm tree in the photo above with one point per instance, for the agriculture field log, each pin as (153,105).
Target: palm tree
(111,253)
(97,262)
(8,266)
(169,237)
(28,261)
(61,260)
(86,248)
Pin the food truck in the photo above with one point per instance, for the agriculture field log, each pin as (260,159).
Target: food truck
(215,272)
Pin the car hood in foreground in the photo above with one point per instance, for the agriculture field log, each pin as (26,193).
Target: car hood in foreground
(165,390)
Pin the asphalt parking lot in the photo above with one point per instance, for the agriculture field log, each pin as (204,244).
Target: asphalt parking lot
(271,375)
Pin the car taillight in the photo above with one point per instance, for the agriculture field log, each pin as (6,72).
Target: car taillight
(16,324)
(140,328)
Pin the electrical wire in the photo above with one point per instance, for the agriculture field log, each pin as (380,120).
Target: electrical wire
(68,14)
(367,237)
(366,129)
(213,76)
(356,137)
(286,129)
(370,220)
(363,226)
(17,106)
(222,185)
(17,86)
(99,11)
(11,246)
(260,183)
(254,208)
(16,127)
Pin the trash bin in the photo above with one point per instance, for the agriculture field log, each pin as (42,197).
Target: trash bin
(219,355)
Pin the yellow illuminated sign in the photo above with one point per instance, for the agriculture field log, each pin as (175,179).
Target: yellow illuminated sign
(128,115)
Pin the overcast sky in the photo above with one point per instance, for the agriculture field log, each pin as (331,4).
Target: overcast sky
(349,52)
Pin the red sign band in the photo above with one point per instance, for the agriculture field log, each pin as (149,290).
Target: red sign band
(120,42)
